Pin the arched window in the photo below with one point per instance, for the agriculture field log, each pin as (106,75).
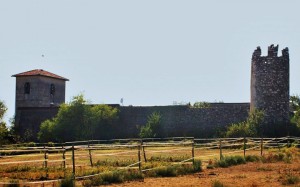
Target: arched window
(27,88)
(52,89)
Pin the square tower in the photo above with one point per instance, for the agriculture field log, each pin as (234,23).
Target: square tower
(38,96)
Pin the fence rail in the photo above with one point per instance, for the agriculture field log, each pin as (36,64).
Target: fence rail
(68,153)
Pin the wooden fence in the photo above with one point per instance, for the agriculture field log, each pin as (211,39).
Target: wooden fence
(141,148)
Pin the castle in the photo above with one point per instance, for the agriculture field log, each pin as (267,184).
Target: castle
(39,94)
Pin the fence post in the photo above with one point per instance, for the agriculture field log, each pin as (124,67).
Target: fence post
(64,157)
(45,157)
(73,160)
(90,154)
(244,147)
(261,146)
(143,149)
(221,156)
(139,156)
(193,150)
(277,144)
(288,141)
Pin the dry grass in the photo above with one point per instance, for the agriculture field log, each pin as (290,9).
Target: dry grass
(114,159)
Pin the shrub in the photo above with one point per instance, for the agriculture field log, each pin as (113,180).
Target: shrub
(252,158)
(291,179)
(133,175)
(114,177)
(13,183)
(197,165)
(169,171)
(250,127)
(287,157)
(201,105)
(67,182)
(217,183)
(152,128)
(230,161)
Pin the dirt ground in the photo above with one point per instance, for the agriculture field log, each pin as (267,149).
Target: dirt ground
(250,174)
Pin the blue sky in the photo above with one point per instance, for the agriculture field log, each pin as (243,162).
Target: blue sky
(147,52)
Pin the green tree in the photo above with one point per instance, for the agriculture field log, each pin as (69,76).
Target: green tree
(295,102)
(4,132)
(295,120)
(153,126)
(78,120)
(250,128)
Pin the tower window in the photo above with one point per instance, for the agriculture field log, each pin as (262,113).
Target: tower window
(52,89)
(27,88)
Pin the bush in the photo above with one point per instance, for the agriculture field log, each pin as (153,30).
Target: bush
(217,183)
(252,158)
(67,182)
(13,183)
(230,161)
(287,157)
(169,171)
(291,179)
(152,128)
(114,177)
(197,165)
(250,127)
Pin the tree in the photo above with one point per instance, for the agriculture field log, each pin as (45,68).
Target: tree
(295,120)
(3,109)
(152,127)
(250,128)
(4,132)
(78,120)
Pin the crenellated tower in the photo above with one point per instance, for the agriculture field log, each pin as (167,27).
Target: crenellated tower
(270,89)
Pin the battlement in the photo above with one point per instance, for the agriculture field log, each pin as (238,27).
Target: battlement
(272,51)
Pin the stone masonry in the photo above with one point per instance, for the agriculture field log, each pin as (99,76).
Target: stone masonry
(270,89)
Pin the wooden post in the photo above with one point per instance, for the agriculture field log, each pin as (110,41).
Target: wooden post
(139,156)
(90,153)
(261,146)
(221,156)
(277,144)
(45,157)
(244,147)
(193,151)
(143,149)
(73,160)
(64,157)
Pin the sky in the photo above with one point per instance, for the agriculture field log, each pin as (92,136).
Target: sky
(146,52)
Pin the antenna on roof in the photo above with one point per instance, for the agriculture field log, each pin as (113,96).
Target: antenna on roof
(121,101)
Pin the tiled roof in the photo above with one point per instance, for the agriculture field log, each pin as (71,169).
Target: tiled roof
(40,72)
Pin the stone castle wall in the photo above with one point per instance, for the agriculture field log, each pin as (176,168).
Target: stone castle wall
(183,120)
(176,120)
(29,119)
